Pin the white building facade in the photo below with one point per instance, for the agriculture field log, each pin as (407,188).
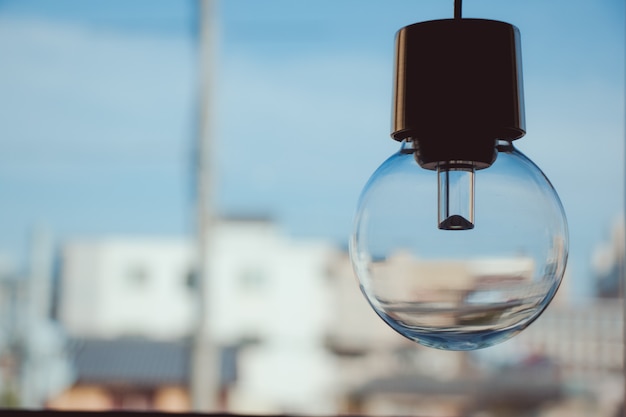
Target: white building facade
(268,297)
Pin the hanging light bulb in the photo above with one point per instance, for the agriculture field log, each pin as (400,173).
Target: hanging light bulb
(459,241)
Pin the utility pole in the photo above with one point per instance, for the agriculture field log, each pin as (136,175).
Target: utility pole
(205,359)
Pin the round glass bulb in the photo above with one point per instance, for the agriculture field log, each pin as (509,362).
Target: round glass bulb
(473,284)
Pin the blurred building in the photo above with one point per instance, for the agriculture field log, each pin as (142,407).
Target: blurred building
(135,374)
(12,295)
(269,309)
(382,373)
(569,362)
(608,261)
(116,287)
(297,336)
(33,360)
(584,342)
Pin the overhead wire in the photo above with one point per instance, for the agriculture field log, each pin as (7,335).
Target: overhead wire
(458,5)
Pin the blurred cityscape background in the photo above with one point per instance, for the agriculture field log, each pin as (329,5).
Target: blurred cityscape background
(177,184)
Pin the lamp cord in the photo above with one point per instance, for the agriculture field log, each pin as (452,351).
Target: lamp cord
(458,4)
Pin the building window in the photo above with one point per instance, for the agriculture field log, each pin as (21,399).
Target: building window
(137,276)
(252,279)
(191,279)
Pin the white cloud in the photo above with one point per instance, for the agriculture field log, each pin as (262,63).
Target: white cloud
(72,95)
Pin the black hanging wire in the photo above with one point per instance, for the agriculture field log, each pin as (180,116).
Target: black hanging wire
(458,5)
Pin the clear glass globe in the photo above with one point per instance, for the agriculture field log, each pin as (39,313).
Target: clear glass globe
(468,288)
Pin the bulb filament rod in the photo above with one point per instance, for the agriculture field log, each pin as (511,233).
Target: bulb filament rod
(455,196)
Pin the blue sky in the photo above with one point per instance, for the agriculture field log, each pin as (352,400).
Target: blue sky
(97,111)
